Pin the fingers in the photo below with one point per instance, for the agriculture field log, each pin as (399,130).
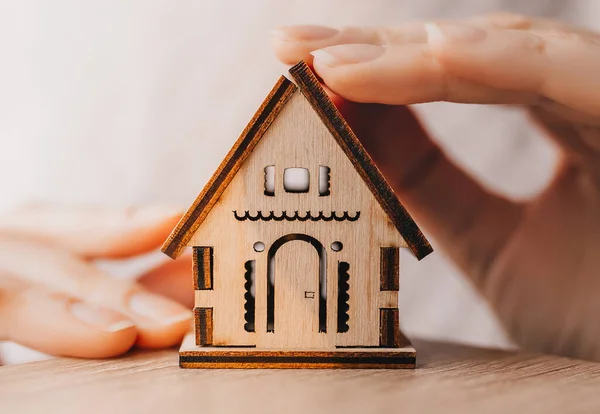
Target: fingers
(171,279)
(160,322)
(580,138)
(294,43)
(504,20)
(94,232)
(60,325)
(401,75)
(557,65)
(468,222)
(496,59)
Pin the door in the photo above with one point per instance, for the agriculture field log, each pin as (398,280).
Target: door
(296,302)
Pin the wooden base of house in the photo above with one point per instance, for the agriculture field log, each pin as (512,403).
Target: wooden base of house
(210,357)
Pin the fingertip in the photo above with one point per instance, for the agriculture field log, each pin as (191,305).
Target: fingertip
(63,326)
(289,52)
(161,322)
(106,344)
(323,58)
(305,33)
(163,336)
(342,83)
(110,333)
(294,43)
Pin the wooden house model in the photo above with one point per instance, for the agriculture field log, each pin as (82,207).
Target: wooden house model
(295,244)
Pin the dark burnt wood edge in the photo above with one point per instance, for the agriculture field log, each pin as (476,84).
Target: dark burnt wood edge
(264,116)
(203,326)
(389,328)
(250,350)
(294,359)
(247,359)
(389,269)
(274,365)
(309,85)
(202,267)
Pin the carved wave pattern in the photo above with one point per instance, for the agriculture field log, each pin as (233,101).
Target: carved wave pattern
(250,305)
(296,216)
(343,297)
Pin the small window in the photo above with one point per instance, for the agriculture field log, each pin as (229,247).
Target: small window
(270,180)
(324,180)
(296,180)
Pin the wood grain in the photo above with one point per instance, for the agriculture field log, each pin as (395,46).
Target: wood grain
(389,328)
(304,235)
(193,356)
(202,267)
(295,240)
(259,124)
(389,268)
(203,326)
(297,261)
(449,379)
(268,111)
(249,359)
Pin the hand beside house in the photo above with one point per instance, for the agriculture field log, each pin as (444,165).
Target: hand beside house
(536,262)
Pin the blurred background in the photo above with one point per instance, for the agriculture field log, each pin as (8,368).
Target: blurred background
(106,102)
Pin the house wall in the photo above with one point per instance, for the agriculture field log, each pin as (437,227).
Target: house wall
(297,138)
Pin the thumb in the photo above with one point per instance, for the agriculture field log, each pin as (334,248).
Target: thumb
(57,324)
(94,232)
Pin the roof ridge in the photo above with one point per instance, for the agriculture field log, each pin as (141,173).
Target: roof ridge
(212,191)
(271,107)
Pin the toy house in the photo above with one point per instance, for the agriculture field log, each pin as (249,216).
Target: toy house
(295,244)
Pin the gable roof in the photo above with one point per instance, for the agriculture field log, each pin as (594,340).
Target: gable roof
(265,115)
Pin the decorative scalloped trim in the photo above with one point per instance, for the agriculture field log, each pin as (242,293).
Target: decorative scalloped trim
(296,216)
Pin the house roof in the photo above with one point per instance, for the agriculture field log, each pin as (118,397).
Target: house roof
(309,85)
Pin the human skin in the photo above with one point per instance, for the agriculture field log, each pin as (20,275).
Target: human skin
(55,299)
(535,262)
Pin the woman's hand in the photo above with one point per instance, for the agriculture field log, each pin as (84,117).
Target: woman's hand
(54,299)
(537,263)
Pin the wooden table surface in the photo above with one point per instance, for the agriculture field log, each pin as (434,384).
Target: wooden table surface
(449,379)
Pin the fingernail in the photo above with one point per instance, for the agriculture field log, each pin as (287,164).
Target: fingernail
(304,33)
(347,54)
(161,311)
(99,317)
(456,33)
